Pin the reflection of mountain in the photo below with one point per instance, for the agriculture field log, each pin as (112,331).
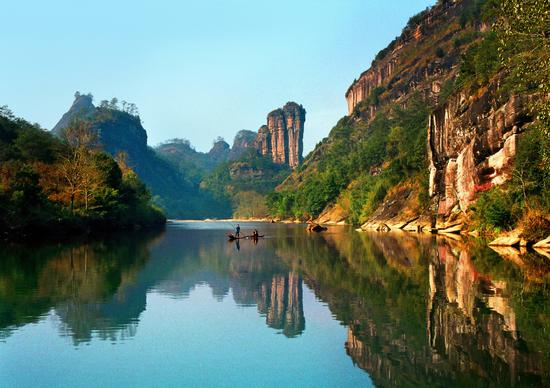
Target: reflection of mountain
(419,311)
(381,286)
(91,286)
(102,287)
(281,302)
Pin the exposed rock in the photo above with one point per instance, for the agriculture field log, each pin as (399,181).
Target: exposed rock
(82,107)
(509,241)
(316,228)
(243,141)
(451,229)
(543,244)
(332,215)
(387,71)
(282,137)
(472,143)
(219,152)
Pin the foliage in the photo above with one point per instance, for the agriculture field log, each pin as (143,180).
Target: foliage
(522,43)
(535,225)
(522,28)
(65,185)
(374,157)
(494,210)
(479,63)
(244,183)
(373,98)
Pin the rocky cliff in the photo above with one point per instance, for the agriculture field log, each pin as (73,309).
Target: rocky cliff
(176,190)
(282,137)
(472,143)
(82,107)
(406,64)
(243,141)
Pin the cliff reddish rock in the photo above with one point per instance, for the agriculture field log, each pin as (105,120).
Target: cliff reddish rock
(472,144)
(282,137)
(400,68)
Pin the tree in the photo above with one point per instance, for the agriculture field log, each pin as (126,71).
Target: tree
(523,28)
(77,166)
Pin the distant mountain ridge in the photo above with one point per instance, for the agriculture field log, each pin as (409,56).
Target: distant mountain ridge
(174,171)
(121,131)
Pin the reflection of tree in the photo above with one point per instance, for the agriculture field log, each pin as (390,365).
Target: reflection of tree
(379,285)
(89,285)
(419,311)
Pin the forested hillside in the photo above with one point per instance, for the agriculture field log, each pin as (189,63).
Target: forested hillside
(453,111)
(53,187)
(175,187)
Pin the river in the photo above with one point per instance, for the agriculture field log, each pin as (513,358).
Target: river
(185,307)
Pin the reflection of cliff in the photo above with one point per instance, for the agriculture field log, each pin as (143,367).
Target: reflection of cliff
(281,302)
(467,311)
(380,284)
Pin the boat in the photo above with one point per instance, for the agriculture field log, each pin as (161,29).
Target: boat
(232,237)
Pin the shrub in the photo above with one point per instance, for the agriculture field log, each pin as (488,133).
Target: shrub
(494,210)
(535,226)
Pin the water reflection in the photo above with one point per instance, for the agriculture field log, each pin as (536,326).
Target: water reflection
(418,310)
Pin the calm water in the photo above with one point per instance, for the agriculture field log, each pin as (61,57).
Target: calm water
(187,308)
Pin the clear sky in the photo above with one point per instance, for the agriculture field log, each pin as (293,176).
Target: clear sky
(196,70)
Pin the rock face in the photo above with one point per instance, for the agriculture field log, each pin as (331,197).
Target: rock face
(282,137)
(82,107)
(120,131)
(472,144)
(395,74)
(243,141)
(219,152)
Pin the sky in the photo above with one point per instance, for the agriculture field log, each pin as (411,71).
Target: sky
(196,70)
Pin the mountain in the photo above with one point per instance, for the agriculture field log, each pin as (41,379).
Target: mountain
(282,137)
(52,189)
(121,134)
(280,140)
(258,162)
(439,129)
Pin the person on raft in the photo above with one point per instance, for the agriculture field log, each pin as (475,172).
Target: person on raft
(238,231)
(255,234)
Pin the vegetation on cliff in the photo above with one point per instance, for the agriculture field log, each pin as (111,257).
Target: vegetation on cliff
(381,145)
(245,182)
(51,186)
(361,160)
(174,186)
(521,31)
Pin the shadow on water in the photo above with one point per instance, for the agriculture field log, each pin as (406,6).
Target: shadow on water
(418,310)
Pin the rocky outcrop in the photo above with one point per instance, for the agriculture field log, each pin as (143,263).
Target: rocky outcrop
(82,107)
(282,137)
(397,72)
(121,131)
(243,141)
(472,143)
(219,152)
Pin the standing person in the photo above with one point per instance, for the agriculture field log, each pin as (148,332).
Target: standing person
(238,231)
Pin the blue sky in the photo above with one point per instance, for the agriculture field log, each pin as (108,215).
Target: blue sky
(196,70)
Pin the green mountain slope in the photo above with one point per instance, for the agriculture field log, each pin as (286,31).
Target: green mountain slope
(121,134)
(450,75)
